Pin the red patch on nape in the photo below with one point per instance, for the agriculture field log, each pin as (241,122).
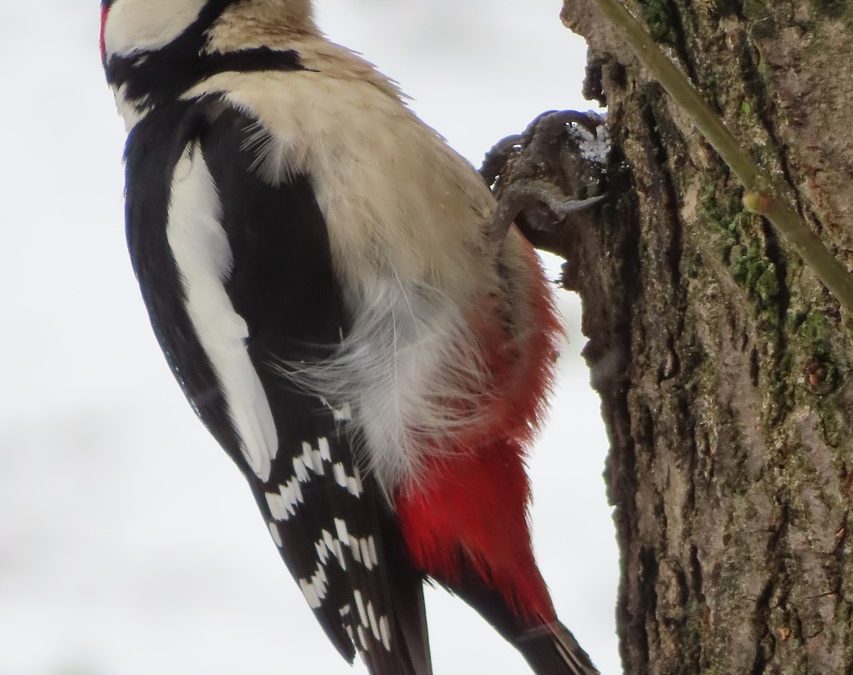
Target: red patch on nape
(105,10)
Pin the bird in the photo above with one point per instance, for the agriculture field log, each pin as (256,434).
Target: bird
(321,272)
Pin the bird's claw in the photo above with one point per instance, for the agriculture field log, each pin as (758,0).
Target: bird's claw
(565,143)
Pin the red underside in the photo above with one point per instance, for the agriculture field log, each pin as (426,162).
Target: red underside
(476,497)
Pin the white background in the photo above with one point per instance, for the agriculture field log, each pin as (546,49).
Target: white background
(128,542)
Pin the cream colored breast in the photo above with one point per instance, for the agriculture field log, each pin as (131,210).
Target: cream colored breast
(394,196)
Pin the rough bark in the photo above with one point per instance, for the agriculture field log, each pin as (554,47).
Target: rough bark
(723,365)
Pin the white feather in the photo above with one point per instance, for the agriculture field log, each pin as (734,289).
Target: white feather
(203,256)
(412,372)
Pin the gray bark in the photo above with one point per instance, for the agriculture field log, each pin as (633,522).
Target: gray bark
(723,365)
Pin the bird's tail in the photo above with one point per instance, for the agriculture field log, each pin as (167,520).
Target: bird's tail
(551,649)
(548,646)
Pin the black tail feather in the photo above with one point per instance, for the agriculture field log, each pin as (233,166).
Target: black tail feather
(552,650)
(407,587)
(410,655)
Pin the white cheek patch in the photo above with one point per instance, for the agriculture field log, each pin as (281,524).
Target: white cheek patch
(141,25)
(203,256)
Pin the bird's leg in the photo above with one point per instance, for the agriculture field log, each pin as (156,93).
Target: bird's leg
(524,194)
(567,144)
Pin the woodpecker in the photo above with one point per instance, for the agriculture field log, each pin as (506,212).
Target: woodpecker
(321,272)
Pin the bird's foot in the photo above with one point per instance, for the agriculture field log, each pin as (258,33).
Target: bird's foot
(551,171)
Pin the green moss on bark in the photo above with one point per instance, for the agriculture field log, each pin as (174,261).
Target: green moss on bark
(833,9)
(658,17)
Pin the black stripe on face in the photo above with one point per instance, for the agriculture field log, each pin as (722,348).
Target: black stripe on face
(162,75)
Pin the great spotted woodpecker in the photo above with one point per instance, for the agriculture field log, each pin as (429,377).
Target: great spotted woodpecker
(321,273)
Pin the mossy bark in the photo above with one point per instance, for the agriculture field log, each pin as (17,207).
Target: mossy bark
(723,365)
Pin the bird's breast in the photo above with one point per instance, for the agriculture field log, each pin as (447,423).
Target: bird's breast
(394,196)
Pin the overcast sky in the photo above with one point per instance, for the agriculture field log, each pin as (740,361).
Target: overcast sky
(129,544)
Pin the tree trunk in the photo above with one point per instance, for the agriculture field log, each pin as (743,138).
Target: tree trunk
(723,365)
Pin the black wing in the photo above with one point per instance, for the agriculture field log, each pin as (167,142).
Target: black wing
(330,522)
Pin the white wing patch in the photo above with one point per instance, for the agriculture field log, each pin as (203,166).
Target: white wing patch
(203,256)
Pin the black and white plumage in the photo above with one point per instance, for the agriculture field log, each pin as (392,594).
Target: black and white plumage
(219,221)
(317,269)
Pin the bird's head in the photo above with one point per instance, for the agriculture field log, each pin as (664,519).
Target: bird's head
(136,26)
(152,48)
